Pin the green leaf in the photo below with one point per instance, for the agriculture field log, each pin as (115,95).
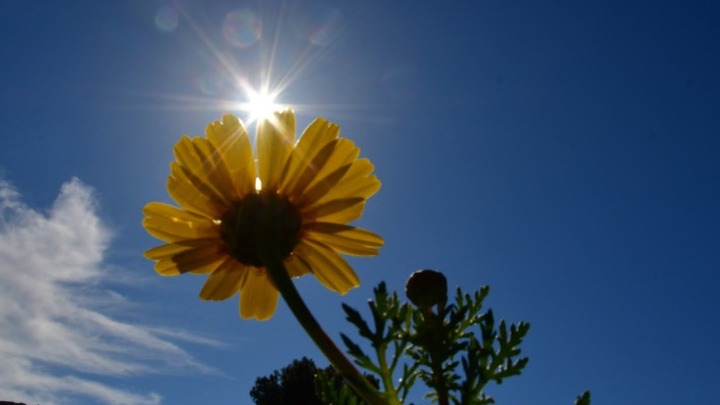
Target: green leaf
(583,399)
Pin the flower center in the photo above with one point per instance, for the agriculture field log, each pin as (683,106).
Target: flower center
(261,222)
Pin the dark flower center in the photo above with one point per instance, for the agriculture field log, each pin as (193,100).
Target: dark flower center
(264,222)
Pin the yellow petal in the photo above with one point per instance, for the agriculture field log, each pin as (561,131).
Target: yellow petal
(225,281)
(306,158)
(324,185)
(328,266)
(191,199)
(171,224)
(231,139)
(344,153)
(310,173)
(217,171)
(357,182)
(258,296)
(275,137)
(296,266)
(338,211)
(345,216)
(163,252)
(344,238)
(198,162)
(200,260)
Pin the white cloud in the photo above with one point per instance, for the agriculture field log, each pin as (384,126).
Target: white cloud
(55,341)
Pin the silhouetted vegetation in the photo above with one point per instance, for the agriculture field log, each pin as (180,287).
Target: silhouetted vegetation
(295,384)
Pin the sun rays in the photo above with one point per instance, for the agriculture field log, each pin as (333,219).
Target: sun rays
(248,65)
(260,105)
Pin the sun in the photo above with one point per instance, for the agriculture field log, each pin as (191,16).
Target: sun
(260,105)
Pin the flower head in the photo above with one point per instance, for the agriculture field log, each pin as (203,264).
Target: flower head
(295,201)
(426,288)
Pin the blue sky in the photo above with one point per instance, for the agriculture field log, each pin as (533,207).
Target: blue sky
(563,152)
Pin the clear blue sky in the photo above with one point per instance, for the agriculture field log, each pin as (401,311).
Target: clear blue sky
(563,152)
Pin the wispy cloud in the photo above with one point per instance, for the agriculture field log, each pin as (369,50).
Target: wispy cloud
(56,342)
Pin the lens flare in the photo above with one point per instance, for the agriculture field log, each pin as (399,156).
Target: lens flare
(242,28)
(167,18)
(326,29)
(247,72)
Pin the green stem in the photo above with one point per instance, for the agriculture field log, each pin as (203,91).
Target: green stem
(435,328)
(284,284)
(386,372)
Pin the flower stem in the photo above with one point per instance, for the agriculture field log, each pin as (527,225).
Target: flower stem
(284,284)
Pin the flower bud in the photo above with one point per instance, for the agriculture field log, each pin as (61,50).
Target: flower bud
(426,288)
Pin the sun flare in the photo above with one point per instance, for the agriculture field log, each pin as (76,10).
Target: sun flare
(260,105)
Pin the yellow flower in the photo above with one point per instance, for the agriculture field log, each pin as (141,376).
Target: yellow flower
(295,201)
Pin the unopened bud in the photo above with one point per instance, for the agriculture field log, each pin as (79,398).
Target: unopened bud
(426,288)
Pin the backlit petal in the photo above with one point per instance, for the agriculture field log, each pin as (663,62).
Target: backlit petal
(202,167)
(231,139)
(171,224)
(297,192)
(338,211)
(275,138)
(216,169)
(258,296)
(321,177)
(358,182)
(225,281)
(324,185)
(199,260)
(296,266)
(344,238)
(306,158)
(344,154)
(163,252)
(192,198)
(328,267)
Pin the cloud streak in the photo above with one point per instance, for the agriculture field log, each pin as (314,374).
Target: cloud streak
(55,339)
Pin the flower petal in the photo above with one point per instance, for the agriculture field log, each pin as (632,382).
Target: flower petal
(328,266)
(310,173)
(198,260)
(187,194)
(344,238)
(323,186)
(202,166)
(275,137)
(358,182)
(164,252)
(171,224)
(321,175)
(339,211)
(217,171)
(225,281)
(344,154)
(296,266)
(258,296)
(307,156)
(231,140)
